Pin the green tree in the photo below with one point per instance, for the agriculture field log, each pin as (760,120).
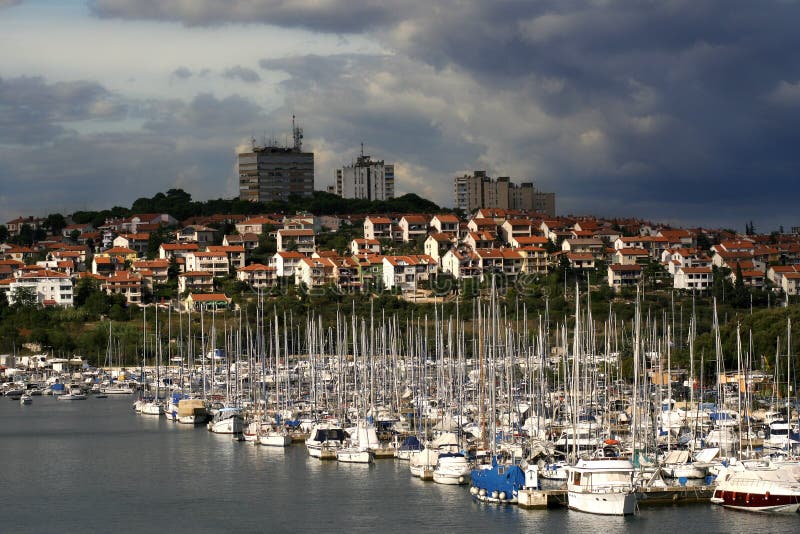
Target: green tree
(3,233)
(55,222)
(24,297)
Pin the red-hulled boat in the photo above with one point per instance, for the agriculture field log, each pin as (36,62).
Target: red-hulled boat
(759,487)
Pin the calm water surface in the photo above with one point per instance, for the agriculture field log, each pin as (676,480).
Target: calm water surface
(95,466)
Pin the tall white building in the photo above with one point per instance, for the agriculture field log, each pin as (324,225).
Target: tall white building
(51,288)
(366,178)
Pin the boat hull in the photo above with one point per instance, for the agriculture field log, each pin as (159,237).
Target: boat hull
(757,502)
(614,503)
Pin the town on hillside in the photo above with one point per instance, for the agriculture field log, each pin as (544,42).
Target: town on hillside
(147,258)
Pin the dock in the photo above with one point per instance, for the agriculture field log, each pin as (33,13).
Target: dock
(555,498)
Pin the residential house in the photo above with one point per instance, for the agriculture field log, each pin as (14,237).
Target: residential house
(621,276)
(535,259)
(346,273)
(14,226)
(285,263)
(50,287)
(256,225)
(377,227)
(479,240)
(790,283)
(405,272)
(124,283)
(775,273)
(235,253)
(751,277)
(195,281)
(583,260)
(590,245)
(152,271)
(135,242)
(370,271)
(678,238)
(302,241)
(446,223)
(515,228)
(530,241)
(202,235)
(365,246)
(258,276)
(652,244)
(437,244)
(249,241)
(414,227)
(631,256)
(461,263)
(19,253)
(500,260)
(693,278)
(142,222)
(207,301)
(315,272)
(480,225)
(178,250)
(80,228)
(215,263)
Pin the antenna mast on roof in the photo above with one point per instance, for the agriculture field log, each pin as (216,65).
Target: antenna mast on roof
(297,133)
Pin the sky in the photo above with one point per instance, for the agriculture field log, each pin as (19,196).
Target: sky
(679,111)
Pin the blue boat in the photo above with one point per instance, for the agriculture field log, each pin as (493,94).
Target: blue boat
(500,483)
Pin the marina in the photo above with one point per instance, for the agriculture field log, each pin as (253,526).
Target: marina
(98,466)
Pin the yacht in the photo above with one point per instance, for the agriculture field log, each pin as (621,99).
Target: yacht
(422,463)
(25,399)
(602,486)
(452,468)
(324,440)
(227,421)
(758,487)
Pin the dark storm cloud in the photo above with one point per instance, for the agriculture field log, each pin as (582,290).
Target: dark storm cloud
(183,73)
(242,73)
(378,100)
(33,111)
(337,16)
(182,144)
(665,105)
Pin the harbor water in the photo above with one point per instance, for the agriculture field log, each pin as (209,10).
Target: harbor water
(96,466)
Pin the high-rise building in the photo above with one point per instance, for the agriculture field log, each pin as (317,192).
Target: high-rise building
(481,191)
(366,178)
(272,172)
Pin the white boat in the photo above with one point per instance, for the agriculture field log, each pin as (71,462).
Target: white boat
(355,455)
(761,487)
(422,463)
(678,464)
(553,470)
(275,438)
(74,393)
(116,390)
(452,468)
(780,436)
(152,408)
(192,412)
(25,400)
(602,486)
(72,396)
(324,440)
(227,421)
